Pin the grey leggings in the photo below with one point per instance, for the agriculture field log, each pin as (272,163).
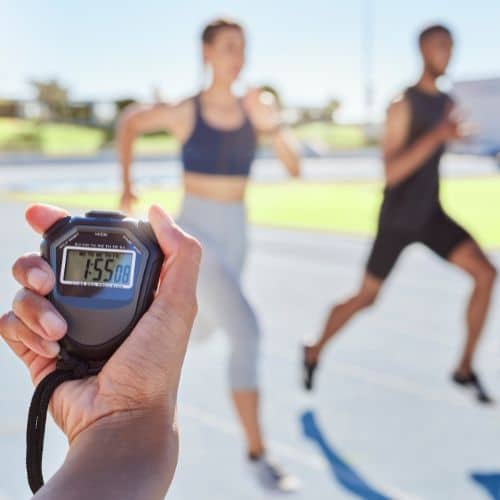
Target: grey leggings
(221,229)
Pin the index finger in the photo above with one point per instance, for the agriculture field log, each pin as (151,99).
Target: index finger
(41,217)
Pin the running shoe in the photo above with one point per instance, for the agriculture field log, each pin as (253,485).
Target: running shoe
(272,477)
(472,381)
(308,370)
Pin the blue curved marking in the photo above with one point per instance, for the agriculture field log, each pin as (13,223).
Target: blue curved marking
(346,476)
(490,482)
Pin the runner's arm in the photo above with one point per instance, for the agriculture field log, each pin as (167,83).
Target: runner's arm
(262,108)
(285,148)
(130,458)
(400,161)
(137,119)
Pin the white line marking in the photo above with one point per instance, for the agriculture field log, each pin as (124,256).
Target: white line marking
(389,381)
(230,428)
(297,455)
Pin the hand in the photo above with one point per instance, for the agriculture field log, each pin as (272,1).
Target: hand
(127,201)
(450,128)
(262,109)
(144,372)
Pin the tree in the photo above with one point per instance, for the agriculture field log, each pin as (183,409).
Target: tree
(53,97)
(329,110)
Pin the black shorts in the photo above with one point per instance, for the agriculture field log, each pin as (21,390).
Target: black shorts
(441,234)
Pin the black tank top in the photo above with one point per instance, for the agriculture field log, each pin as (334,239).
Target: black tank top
(410,204)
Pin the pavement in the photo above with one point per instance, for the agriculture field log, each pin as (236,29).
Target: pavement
(384,421)
(102,173)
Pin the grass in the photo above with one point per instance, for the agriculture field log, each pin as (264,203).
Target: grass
(331,135)
(49,138)
(70,139)
(342,207)
(63,139)
(156,144)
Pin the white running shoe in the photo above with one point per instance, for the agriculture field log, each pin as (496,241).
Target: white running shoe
(272,477)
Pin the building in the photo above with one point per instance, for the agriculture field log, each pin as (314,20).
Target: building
(478,101)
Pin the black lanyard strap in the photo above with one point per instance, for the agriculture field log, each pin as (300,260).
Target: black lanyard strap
(67,368)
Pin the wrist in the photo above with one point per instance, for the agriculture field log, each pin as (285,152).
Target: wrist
(157,420)
(157,413)
(140,447)
(439,134)
(274,130)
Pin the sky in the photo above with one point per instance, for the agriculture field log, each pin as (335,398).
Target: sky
(310,50)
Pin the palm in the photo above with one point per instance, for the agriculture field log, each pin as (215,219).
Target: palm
(75,404)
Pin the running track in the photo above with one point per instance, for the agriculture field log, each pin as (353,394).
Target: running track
(384,421)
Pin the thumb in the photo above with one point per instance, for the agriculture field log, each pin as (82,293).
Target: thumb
(151,357)
(182,252)
(251,97)
(448,111)
(253,92)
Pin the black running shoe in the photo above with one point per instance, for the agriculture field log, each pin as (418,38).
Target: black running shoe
(308,370)
(472,381)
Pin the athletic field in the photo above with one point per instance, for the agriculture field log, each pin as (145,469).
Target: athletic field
(63,139)
(384,421)
(346,207)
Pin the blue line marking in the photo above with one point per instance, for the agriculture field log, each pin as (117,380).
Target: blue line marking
(490,482)
(344,474)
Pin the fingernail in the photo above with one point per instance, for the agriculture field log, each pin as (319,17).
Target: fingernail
(53,324)
(52,348)
(37,278)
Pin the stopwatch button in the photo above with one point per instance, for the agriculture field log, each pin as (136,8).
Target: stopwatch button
(146,227)
(105,214)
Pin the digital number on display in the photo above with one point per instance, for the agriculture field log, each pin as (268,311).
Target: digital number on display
(97,267)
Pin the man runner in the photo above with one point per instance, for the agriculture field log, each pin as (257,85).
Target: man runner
(419,124)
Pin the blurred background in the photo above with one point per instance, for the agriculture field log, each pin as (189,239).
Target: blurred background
(391,425)
(335,65)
